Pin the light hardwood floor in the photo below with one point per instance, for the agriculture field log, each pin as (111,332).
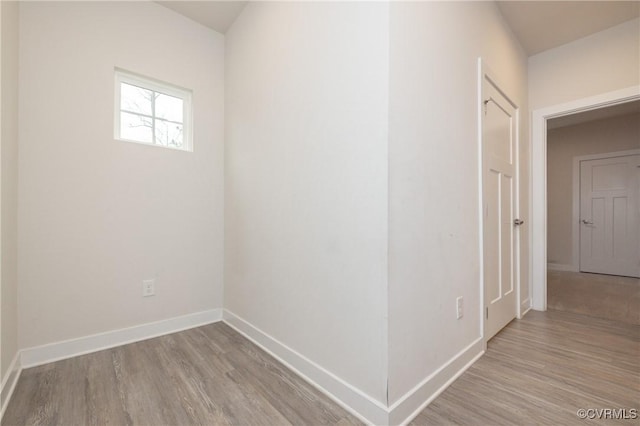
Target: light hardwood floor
(538,370)
(209,375)
(541,370)
(603,296)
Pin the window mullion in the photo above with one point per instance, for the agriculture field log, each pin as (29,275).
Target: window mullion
(171,121)
(136,113)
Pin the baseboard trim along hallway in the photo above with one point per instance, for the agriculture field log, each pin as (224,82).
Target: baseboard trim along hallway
(348,396)
(414,401)
(45,354)
(9,382)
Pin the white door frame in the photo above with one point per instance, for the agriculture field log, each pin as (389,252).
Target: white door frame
(538,190)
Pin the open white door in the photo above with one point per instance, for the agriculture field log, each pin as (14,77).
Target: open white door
(610,216)
(499,195)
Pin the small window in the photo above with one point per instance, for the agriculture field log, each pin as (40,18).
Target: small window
(151,112)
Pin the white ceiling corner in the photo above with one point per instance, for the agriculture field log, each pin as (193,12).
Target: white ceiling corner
(217,15)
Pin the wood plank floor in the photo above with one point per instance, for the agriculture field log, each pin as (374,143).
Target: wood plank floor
(541,370)
(209,375)
(538,370)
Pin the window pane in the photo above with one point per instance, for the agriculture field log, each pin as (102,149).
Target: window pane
(152,112)
(169,107)
(135,127)
(168,134)
(135,99)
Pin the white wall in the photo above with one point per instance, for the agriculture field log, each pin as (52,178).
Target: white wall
(433,191)
(563,144)
(97,216)
(306,181)
(601,63)
(9,189)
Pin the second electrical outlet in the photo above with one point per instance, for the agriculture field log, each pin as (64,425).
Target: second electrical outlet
(148,288)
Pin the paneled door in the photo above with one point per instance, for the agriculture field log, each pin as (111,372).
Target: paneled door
(610,216)
(499,195)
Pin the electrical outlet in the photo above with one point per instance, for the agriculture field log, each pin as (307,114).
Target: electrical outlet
(148,288)
(459,307)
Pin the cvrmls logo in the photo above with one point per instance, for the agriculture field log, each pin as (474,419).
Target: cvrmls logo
(608,413)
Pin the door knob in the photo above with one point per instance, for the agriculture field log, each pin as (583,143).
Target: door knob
(586,222)
(518,222)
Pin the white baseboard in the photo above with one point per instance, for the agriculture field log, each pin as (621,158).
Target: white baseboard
(349,397)
(525,307)
(44,354)
(9,382)
(352,399)
(413,402)
(561,267)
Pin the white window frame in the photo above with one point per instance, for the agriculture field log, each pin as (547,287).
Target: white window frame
(123,76)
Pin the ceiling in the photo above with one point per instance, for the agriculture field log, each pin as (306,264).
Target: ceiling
(217,15)
(596,114)
(539,25)
(543,25)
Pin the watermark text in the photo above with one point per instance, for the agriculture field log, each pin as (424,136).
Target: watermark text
(608,413)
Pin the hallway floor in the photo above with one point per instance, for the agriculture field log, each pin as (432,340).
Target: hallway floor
(542,370)
(603,296)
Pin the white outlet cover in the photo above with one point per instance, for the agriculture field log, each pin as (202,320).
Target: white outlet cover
(148,287)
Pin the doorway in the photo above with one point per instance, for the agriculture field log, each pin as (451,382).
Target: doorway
(593,239)
(539,225)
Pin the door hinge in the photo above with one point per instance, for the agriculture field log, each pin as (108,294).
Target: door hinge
(487,311)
